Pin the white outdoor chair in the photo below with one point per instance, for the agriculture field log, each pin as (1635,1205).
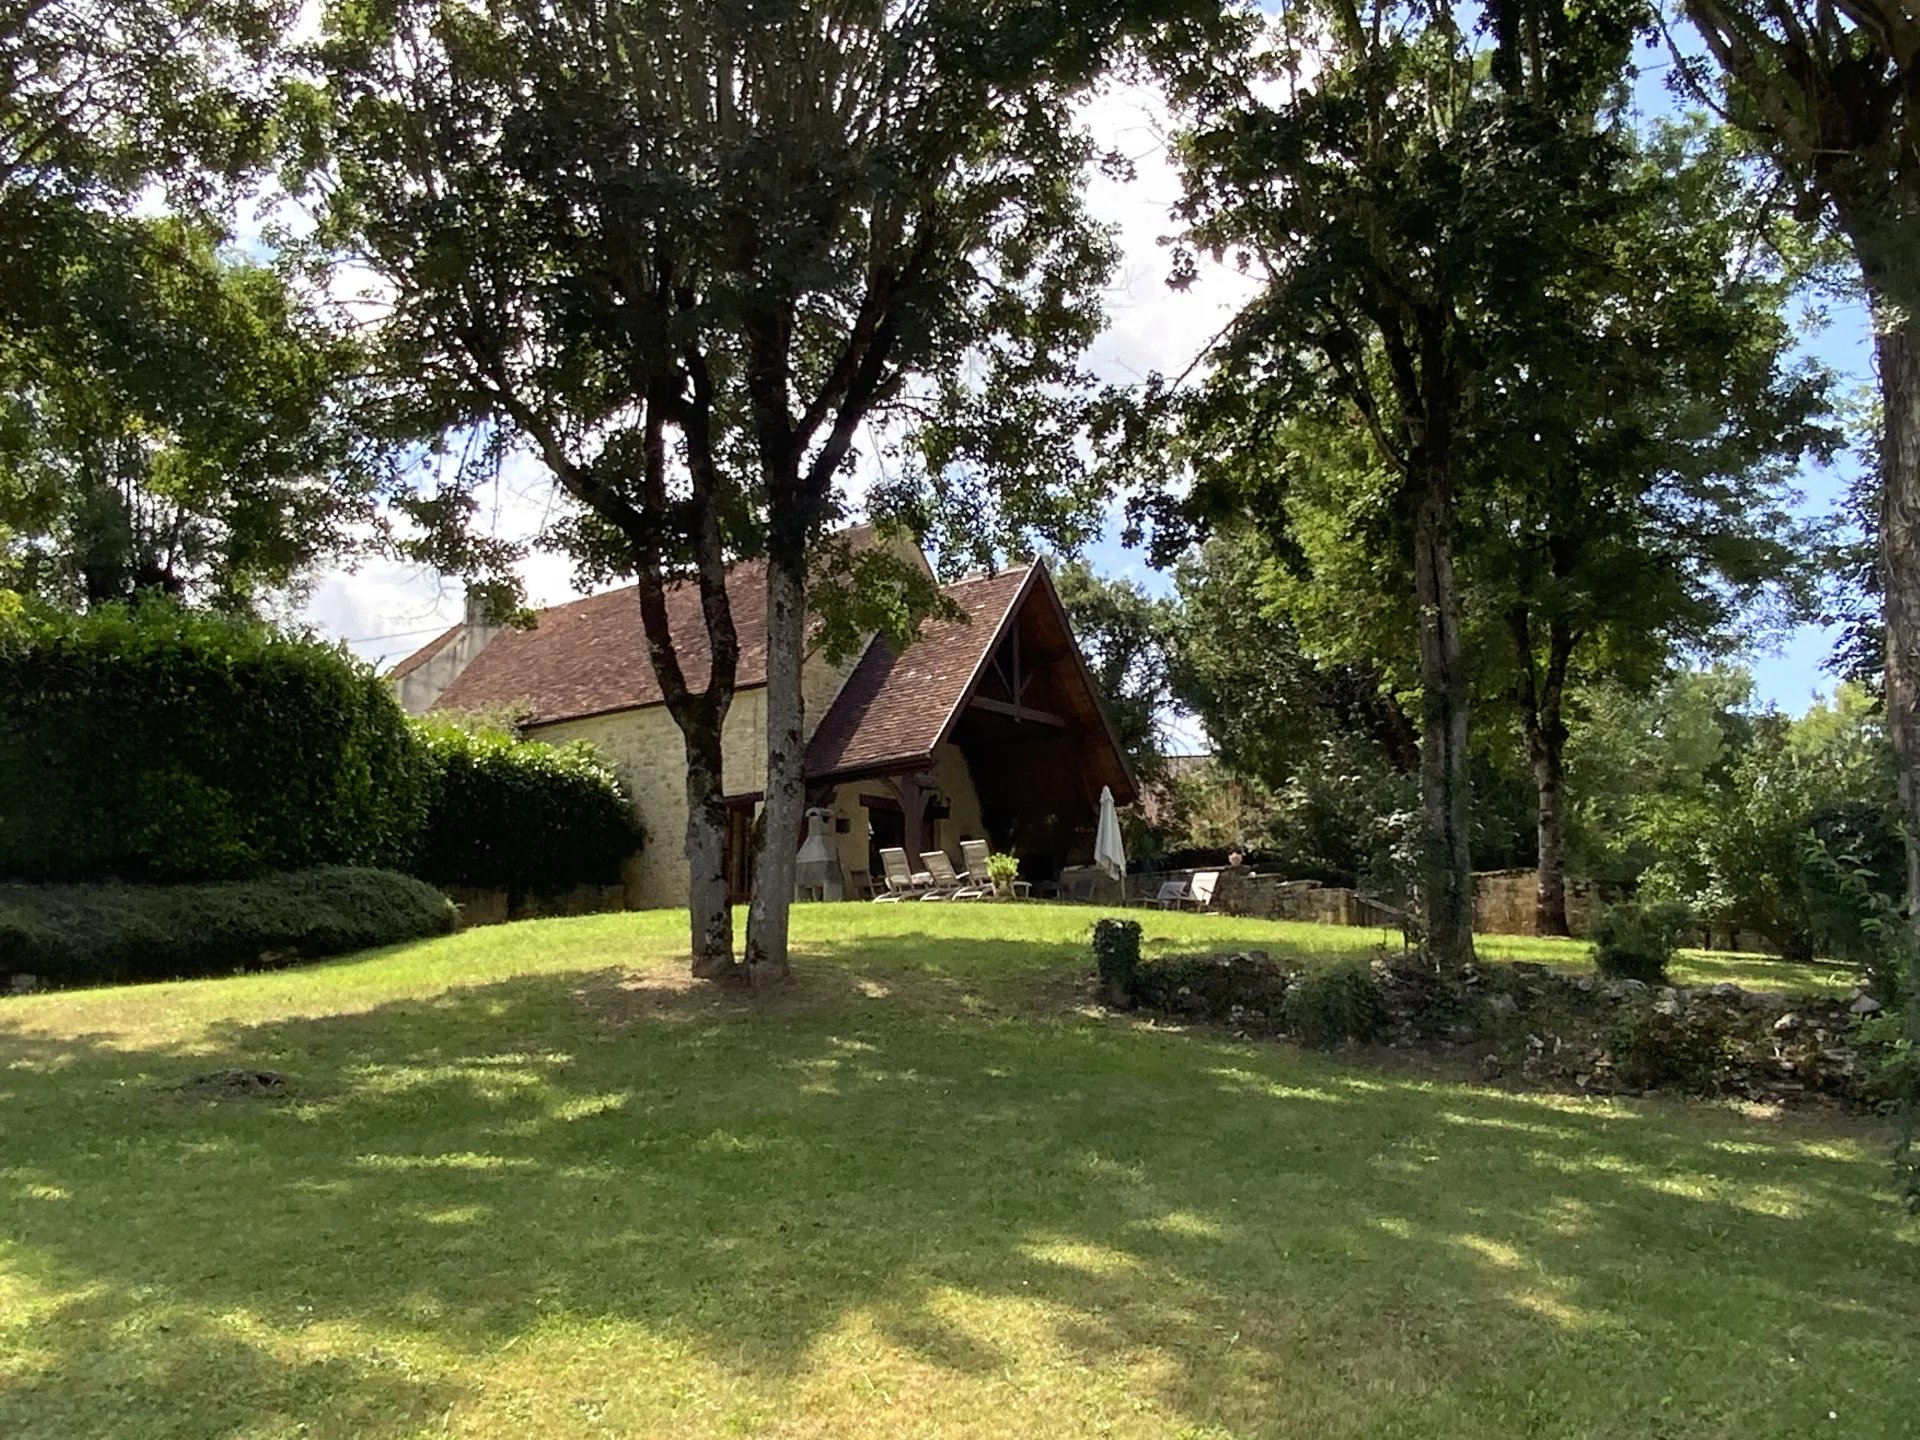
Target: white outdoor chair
(903,883)
(1197,892)
(947,882)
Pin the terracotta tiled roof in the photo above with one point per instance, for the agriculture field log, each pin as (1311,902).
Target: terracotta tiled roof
(590,656)
(425,653)
(894,709)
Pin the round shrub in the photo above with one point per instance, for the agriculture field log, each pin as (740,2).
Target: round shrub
(157,744)
(518,815)
(1636,941)
(111,934)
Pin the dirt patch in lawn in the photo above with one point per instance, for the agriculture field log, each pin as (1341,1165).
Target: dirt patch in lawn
(236,1083)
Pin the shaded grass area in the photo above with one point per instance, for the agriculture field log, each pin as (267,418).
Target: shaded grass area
(529,1182)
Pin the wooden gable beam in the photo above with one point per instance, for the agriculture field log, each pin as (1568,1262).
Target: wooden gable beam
(1018,711)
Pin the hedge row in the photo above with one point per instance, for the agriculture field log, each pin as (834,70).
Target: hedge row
(519,816)
(111,934)
(154,744)
(168,745)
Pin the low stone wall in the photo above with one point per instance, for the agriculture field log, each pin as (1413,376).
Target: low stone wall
(490,907)
(1272,897)
(1504,903)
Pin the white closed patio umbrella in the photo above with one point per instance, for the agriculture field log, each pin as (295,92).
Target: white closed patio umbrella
(1109,851)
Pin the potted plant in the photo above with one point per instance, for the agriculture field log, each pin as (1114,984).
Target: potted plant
(1002,870)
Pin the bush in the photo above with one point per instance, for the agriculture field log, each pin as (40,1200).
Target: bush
(1116,955)
(1326,1007)
(159,744)
(1687,1051)
(1857,917)
(106,934)
(1636,941)
(1246,989)
(518,815)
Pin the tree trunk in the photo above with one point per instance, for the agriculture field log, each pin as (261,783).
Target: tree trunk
(785,807)
(709,908)
(1550,869)
(1897,343)
(1446,879)
(1544,728)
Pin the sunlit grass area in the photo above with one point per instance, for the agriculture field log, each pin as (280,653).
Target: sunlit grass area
(529,1183)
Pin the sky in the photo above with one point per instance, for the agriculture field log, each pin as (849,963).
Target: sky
(385,610)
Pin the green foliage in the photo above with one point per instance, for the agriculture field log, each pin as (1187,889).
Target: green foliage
(1240,663)
(1340,817)
(1537,426)
(182,424)
(1116,958)
(1002,866)
(1889,1046)
(1637,941)
(883,222)
(1122,631)
(1688,1051)
(519,815)
(159,744)
(1334,1005)
(1238,989)
(1853,864)
(113,934)
(1734,845)
(1885,1042)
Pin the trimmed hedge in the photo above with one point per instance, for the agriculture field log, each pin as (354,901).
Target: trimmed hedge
(518,815)
(108,934)
(158,744)
(153,744)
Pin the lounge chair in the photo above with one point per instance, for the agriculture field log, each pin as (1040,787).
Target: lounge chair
(948,884)
(973,854)
(903,882)
(1197,892)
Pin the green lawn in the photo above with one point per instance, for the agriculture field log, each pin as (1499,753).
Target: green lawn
(533,1185)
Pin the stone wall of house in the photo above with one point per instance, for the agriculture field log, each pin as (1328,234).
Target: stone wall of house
(646,748)
(953,782)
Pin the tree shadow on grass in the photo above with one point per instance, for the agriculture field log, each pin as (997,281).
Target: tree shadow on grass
(1251,1238)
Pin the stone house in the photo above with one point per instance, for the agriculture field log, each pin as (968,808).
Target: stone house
(986,726)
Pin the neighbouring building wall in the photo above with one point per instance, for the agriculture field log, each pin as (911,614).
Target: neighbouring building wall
(420,687)
(646,748)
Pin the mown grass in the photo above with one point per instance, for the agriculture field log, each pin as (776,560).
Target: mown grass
(529,1183)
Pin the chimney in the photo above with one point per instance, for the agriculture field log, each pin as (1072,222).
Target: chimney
(421,685)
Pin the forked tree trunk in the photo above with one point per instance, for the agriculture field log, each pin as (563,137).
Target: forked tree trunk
(1897,343)
(1446,868)
(785,806)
